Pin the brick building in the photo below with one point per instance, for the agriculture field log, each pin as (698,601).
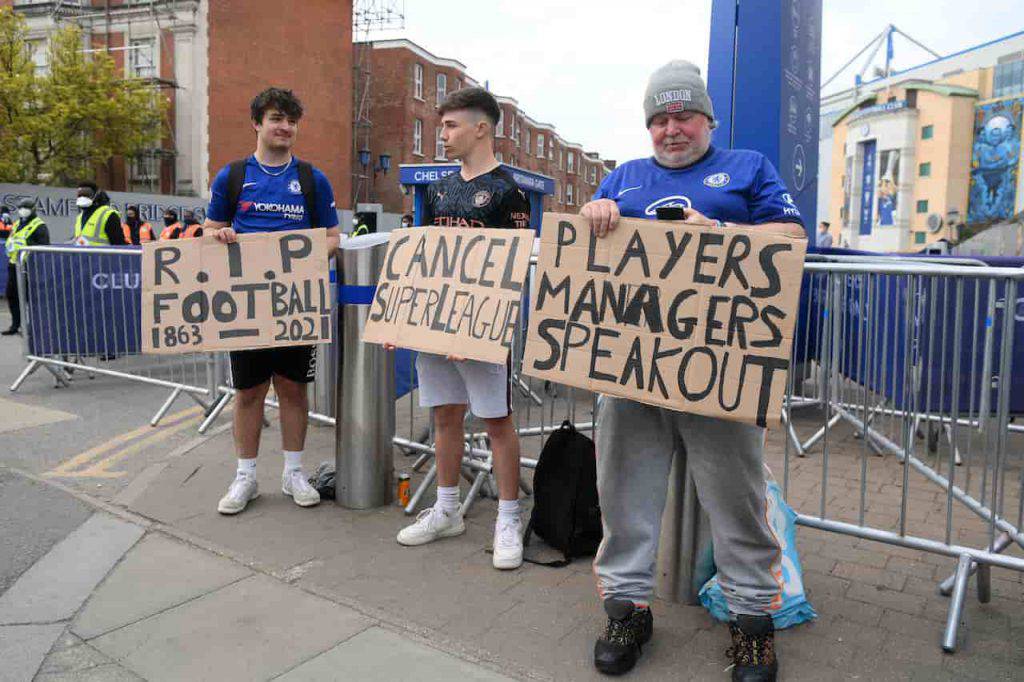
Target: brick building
(407,84)
(208,58)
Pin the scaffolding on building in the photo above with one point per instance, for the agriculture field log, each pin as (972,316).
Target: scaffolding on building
(144,170)
(369,17)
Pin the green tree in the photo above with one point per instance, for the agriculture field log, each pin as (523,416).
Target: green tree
(56,127)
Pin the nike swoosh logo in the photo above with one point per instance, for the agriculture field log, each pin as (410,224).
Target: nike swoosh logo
(247,184)
(628,189)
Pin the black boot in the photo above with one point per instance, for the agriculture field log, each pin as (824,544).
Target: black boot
(9,332)
(753,649)
(629,628)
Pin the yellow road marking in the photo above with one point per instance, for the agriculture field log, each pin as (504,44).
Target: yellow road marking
(94,462)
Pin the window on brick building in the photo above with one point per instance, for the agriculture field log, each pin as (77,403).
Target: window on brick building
(417,137)
(568,194)
(142,58)
(438,145)
(526,149)
(499,130)
(498,156)
(560,164)
(551,149)
(558,191)
(593,175)
(442,87)
(571,163)
(417,80)
(516,132)
(458,84)
(37,51)
(512,160)
(540,145)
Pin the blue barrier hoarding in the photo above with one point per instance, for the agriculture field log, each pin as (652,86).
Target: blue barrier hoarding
(84,303)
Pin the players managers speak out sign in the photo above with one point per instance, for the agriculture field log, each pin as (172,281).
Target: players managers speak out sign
(697,319)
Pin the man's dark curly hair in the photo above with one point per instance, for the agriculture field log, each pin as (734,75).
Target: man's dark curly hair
(283,100)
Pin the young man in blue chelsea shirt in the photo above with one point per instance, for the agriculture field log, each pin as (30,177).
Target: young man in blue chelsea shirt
(271,199)
(636,442)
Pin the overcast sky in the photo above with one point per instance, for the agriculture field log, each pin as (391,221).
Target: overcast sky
(584,69)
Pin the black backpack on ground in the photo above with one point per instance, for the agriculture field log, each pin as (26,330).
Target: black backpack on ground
(566,513)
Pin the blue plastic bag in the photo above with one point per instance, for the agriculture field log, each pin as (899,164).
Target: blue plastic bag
(795,608)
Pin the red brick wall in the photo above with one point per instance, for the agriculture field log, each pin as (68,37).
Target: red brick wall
(394,109)
(254,46)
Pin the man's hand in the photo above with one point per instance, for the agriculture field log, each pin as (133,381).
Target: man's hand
(389,346)
(695,217)
(226,235)
(603,215)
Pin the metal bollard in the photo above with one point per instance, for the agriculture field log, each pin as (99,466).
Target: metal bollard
(365,423)
(685,560)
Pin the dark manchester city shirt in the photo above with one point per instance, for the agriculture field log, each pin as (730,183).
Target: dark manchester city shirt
(488,200)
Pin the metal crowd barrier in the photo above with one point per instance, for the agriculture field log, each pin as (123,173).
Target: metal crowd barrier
(910,368)
(80,317)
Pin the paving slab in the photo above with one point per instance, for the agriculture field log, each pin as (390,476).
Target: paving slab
(57,585)
(379,655)
(250,630)
(34,517)
(22,649)
(157,574)
(103,673)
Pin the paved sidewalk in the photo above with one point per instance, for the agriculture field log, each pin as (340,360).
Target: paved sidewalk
(280,592)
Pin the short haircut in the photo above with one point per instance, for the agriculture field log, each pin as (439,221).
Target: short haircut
(171,212)
(283,100)
(132,207)
(475,99)
(826,223)
(90,184)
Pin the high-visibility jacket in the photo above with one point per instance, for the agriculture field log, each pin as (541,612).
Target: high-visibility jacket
(20,236)
(145,233)
(172,231)
(5,229)
(361,230)
(94,232)
(191,231)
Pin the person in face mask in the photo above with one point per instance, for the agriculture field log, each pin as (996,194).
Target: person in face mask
(5,224)
(98,223)
(190,226)
(172,228)
(136,231)
(29,230)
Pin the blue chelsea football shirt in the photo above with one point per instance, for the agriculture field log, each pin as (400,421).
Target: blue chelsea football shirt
(270,203)
(731,185)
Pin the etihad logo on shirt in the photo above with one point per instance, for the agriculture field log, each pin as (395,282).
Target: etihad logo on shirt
(288,211)
(674,201)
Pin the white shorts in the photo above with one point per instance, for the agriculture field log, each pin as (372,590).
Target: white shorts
(484,386)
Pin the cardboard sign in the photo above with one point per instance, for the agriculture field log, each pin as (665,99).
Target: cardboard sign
(450,290)
(696,319)
(267,289)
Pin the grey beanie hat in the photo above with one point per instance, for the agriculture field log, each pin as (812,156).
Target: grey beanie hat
(677,86)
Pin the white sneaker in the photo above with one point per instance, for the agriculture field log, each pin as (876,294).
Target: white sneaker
(432,524)
(508,544)
(242,490)
(295,485)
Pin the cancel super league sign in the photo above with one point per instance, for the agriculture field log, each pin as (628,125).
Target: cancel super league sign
(264,290)
(450,290)
(692,318)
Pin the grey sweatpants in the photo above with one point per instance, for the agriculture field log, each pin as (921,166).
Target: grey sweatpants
(635,447)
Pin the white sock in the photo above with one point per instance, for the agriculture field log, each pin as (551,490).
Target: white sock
(292,460)
(508,510)
(247,467)
(448,499)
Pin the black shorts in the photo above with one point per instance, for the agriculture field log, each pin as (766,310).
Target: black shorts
(251,368)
